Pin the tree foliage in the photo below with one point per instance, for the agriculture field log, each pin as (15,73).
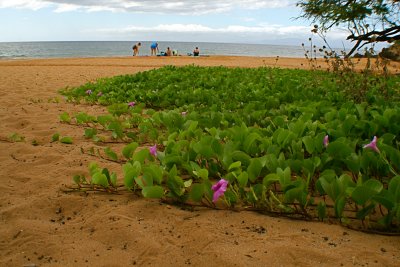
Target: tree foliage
(368,21)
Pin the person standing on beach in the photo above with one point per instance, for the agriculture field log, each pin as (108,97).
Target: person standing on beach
(136,49)
(154,48)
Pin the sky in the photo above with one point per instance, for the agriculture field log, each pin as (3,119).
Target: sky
(229,21)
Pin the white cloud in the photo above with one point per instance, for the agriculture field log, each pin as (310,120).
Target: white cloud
(66,8)
(156,6)
(29,4)
(197,28)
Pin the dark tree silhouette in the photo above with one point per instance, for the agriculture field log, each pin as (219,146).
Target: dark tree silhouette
(368,21)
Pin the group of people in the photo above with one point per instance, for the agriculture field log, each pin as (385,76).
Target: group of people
(154,51)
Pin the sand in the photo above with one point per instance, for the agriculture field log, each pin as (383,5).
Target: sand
(42,226)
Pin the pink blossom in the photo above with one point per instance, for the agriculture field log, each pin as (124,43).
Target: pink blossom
(326,140)
(153,150)
(184,113)
(131,104)
(89,92)
(100,94)
(219,189)
(372,145)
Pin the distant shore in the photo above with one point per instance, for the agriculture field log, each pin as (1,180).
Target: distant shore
(148,62)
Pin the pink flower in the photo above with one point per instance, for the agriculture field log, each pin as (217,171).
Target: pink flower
(131,104)
(184,113)
(89,92)
(219,189)
(372,145)
(326,140)
(100,94)
(153,150)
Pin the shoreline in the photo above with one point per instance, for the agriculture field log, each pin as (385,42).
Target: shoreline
(212,60)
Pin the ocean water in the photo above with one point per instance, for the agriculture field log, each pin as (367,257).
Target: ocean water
(19,50)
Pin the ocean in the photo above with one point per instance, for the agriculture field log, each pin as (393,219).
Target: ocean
(20,50)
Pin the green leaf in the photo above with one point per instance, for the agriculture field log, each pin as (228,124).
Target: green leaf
(203,148)
(173,172)
(321,210)
(93,168)
(155,191)
(154,171)
(235,165)
(284,176)
(296,193)
(104,120)
(254,169)
(117,130)
(270,179)
(129,149)
(362,194)
(201,173)
(111,154)
(250,143)
(271,162)
(394,188)
(113,179)
(118,109)
(100,179)
(374,185)
(55,137)
(361,214)
(353,162)
(243,178)
(385,198)
(77,179)
(131,171)
(217,148)
(230,197)
(82,118)
(106,173)
(319,142)
(367,191)
(339,206)
(141,155)
(188,183)
(309,144)
(176,185)
(196,192)
(64,117)
(140,181)
(66,140)
(242,157)
(90,133)
(339,150)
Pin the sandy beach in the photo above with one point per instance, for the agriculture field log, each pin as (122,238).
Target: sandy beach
(42,226)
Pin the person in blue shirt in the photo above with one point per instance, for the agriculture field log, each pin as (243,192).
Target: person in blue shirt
(154,48)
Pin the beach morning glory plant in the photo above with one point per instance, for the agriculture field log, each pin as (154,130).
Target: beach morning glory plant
(153,150)
(326,140)
(219,189)
(89,92)
(373,145)
(131,104)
